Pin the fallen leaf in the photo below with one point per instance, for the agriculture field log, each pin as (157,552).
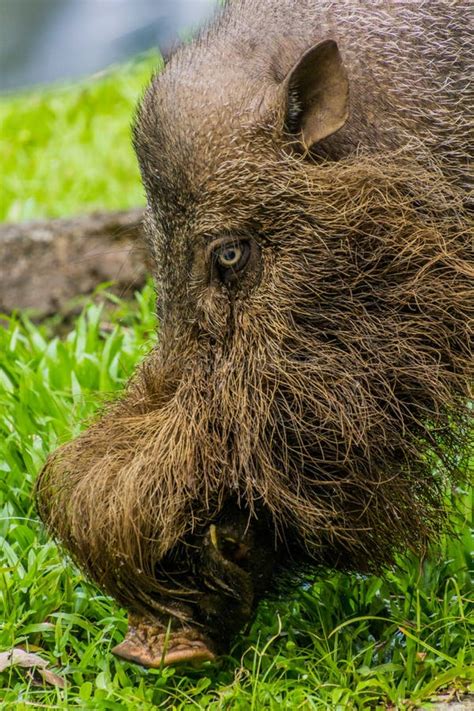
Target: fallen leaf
(18,657)
(39,677)
(52,678)
(32,648)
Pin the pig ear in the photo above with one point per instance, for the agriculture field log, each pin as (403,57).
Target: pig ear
(317,91)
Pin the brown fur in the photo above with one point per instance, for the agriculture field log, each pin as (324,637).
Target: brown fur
(323,397)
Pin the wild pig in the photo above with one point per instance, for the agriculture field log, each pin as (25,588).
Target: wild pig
(306,171)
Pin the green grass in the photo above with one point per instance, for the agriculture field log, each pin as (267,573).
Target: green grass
(340,642)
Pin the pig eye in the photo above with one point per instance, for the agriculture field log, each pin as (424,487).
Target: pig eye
(231,257)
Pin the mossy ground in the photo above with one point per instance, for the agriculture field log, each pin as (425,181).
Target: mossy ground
(339,642)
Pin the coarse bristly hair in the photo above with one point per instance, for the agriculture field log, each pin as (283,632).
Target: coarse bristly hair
(328,397)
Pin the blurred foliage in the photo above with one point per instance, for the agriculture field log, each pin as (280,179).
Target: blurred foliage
(67,149)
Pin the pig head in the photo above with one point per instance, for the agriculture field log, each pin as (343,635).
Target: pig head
(307,220)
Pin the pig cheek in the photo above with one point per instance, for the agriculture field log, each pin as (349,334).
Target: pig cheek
(213,314)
